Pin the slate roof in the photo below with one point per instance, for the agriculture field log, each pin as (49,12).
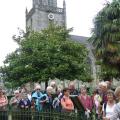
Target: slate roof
(81,39)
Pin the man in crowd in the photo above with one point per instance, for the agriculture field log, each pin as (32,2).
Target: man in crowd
(72,89)
(14,102)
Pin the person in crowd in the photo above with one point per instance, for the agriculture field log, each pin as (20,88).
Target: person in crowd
(37,98)
(3,101)
(96,101)
(72,89)
(23,89)
(59,93)
(3,105)
(24,105)
(109,84)
(100,88)
(104,92)
(54,86)
(56,102)
(66,102)
(108,108)
(86,101)
(14,102)
(24,102)
(29,95)
(49,99)
(100,92)
(116,112)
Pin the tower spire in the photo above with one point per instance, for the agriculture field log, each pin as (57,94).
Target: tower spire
(64,8)
(36,2)
(64,4)
(26,11)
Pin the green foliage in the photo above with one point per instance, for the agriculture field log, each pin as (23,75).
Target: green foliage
(46,54)
(108,73)
(106,37)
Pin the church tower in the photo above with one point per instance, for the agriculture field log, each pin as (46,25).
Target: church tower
(43,12)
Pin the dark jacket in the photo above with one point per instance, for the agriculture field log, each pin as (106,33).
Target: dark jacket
(24,104)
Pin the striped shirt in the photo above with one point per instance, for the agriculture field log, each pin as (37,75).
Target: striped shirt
(116,115)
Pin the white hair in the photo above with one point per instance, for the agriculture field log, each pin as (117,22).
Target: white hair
(52,83)
(103,84)
(59,89)
(71,83)
(16,91)
(49,89)
(83,87)
(37,87)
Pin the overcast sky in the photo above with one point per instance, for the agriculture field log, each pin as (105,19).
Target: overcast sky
(80,14)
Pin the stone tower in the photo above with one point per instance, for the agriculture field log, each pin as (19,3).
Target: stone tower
(43,12)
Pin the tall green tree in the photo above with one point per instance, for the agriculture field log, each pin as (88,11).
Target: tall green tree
(46,54)
(106,38)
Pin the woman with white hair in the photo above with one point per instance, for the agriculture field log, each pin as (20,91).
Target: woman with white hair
(15,100)
(54,86)
(56,102)
(49,99)
(37,98)
(104,90)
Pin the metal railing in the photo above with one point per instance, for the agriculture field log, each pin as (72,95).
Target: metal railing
(19,114)
(34,115)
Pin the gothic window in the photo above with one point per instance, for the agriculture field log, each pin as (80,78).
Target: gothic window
(50,2)
(40,2)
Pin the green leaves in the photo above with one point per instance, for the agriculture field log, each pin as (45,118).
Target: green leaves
(47,54)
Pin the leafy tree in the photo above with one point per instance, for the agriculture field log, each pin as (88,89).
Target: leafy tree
(46,54)
(106,38)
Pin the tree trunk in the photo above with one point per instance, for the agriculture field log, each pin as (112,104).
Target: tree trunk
(46,84)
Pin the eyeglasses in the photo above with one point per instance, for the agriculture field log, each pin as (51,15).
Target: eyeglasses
(37,89)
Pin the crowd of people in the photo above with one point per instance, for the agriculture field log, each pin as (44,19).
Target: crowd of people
(104,100)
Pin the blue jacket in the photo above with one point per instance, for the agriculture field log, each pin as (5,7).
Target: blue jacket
(38,97)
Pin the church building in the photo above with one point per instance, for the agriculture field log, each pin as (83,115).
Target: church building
(45,11)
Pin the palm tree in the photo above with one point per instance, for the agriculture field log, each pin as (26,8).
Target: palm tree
(106,35)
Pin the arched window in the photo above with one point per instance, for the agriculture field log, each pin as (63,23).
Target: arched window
(50,2)
(40,2)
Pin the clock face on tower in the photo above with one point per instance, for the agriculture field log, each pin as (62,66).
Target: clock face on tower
(51,16)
